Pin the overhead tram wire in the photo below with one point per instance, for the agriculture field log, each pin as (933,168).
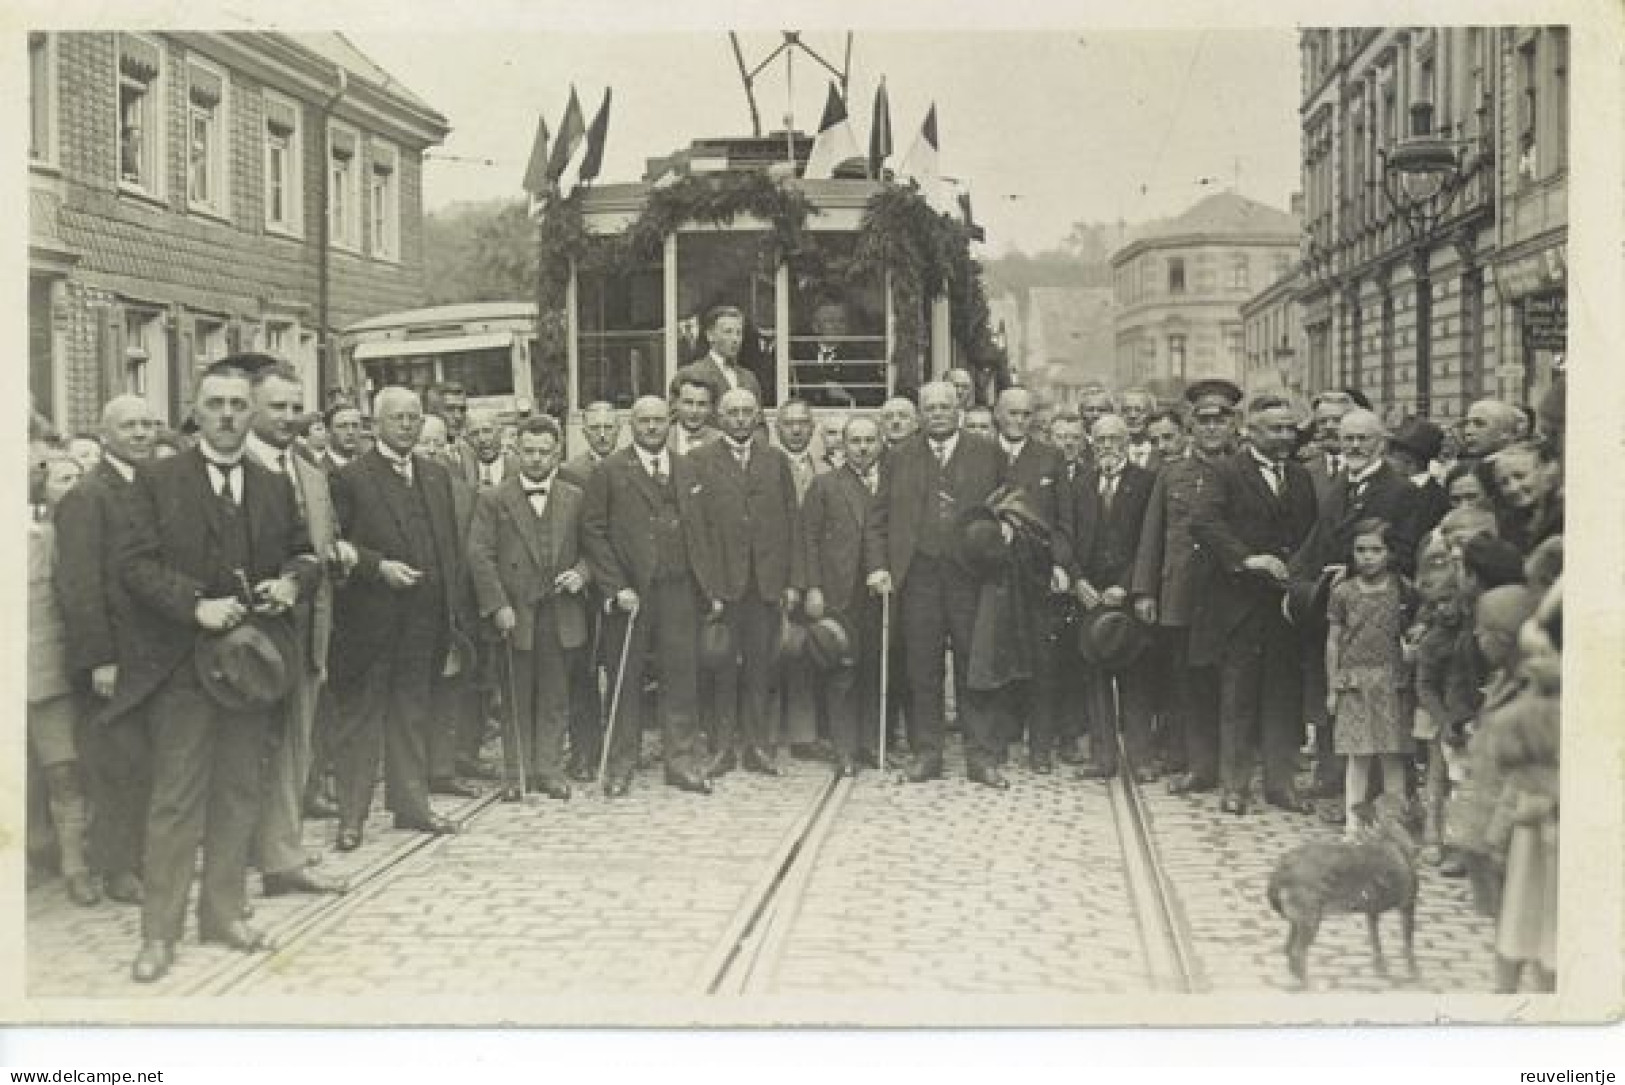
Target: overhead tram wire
(1179,108)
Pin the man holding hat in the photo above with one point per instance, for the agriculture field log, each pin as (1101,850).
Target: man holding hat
(214,559)
(1171,572)
(1251,521)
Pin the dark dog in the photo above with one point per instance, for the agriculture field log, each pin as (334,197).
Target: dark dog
(1372,875)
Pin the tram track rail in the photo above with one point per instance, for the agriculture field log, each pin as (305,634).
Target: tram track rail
(1172,964)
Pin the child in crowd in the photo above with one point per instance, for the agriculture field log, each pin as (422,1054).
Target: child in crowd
(1368,679)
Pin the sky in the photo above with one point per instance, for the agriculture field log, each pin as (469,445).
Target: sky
(1046,128)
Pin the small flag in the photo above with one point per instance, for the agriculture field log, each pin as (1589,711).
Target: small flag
(835,144)
(597,132)
(920,163)
(880,131)
(572,131)
(571,175)
(536,169)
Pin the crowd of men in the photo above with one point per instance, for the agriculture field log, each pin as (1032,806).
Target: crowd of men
(240,633)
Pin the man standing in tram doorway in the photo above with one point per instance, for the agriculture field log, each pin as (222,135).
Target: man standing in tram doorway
(721,368)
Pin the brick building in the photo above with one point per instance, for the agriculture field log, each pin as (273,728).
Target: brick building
(1472,282)
(1180,285)
(192,194)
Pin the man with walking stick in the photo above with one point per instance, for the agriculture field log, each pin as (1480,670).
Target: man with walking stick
(528,580)
(636,533)
(834,520)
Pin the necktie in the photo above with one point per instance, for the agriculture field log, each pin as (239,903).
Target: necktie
(226,481)
(1277,474)
(871,480)
(1108,488)
(403,468)
(487,474)
(742,454)
(1071,470)
(940,449)
(657,468)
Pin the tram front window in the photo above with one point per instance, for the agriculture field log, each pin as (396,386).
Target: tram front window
(621,341)
(737,268)
(480,372)
(838,349)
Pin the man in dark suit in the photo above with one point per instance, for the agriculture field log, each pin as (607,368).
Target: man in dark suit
(1412,449)
(1037,468)
(278,399)
(344,432)
(1071,440)
(1367,488)
(799,715)
(601,427)
(1136,406)
(203,524)
(930,481)
(394,621)
(1171,573)
(834,523)
(96,612)
(750,570)
(636,531)
(721,368)
(1251,521)
(1112,497)
(529,579)
(1322,455)
(485,463)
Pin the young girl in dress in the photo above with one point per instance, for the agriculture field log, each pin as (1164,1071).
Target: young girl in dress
(1367,676)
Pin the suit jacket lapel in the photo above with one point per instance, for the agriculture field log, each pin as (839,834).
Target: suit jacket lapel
(524,517)
(642,482)
(391,487)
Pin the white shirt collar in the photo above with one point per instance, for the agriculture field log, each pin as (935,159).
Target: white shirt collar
(338,458)
(266,453)
(947,444)
(390,455)
(1012,448)
(1422,479)
(497,469)
(650,460)
(1371,469)
(211,456)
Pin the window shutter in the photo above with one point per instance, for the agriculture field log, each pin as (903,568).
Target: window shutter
(110,341)
(206,87)
(342,143)
(280,117)
(138,59)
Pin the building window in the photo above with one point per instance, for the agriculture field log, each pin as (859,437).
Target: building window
(383,202)
(1176,356)
(209,342)
(279,339)
(343,196)
(1560,98)
(41,98)
(1233,347)
(140,115)
(1528,111)
(284,189)
(206,136)
(1176,275)
(1238,273)
(146,357)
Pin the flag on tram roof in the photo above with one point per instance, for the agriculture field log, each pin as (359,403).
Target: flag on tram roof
(880,130)
(572,133)
(597,132)
(920,163)
(536,168)
(835,144)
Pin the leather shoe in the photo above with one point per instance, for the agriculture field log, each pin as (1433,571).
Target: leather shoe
(618,785)
(153,962)
(1190,784)
(303,881)
(348,840)
(1290,801)
(989,776)
(82,890)
(1043,764)
(922,769)
(684,780)
(239,936)
(511,793)
(1233,803)
(1096,772)
(319,809)
(554,787)
(125,888)
(435,824)
(758,760)
(722,764)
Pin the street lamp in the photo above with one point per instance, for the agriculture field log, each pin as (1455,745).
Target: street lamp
(1422,177)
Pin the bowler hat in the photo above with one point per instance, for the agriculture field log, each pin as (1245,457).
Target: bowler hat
(829,645)
(716,645)
(1111,638)
(249,666)
(1419,437)
(981,543)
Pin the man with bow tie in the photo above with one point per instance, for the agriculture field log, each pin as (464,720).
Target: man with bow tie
(529,581)
(201,526)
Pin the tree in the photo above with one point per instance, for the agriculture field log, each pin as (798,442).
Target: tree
(479,252)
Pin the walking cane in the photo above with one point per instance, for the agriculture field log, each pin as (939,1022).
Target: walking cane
(885,669)
(615,692)
(513,719)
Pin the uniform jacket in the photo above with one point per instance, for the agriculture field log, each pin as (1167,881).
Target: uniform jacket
(834,520)
(1238,516)
(1171,567)
(169,559)
(89,521)
(313,498)
(750,523)
(510,568)
(1114,537)
(1040,471)
(619,520)
(371,502)
(975,470)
